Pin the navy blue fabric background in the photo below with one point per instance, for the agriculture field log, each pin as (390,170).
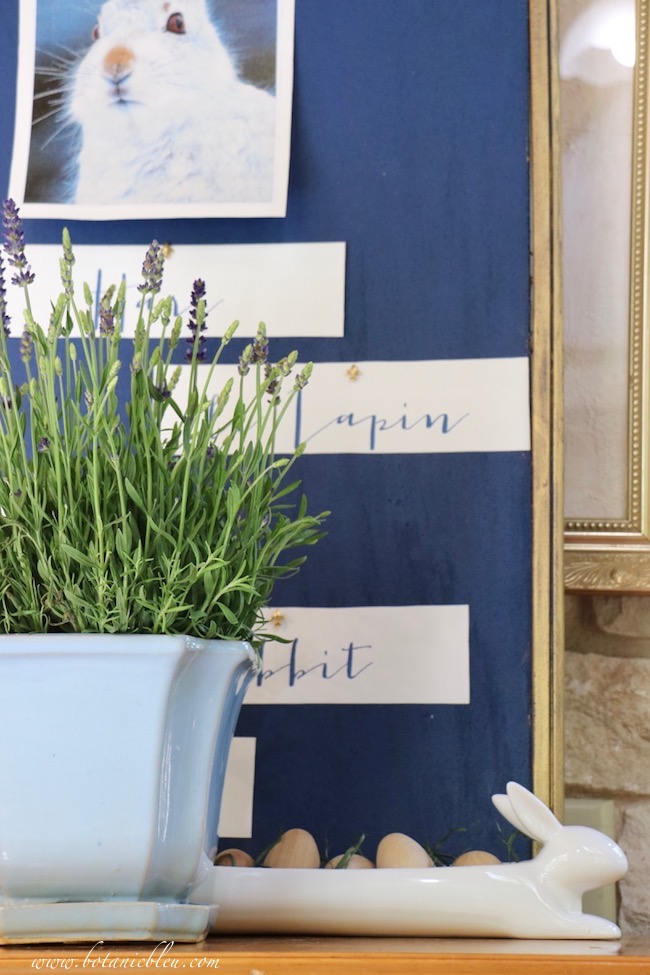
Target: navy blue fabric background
(410,139)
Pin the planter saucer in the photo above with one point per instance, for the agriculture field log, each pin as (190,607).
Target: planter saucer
(93,921)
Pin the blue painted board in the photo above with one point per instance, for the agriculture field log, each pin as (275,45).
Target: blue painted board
(410,142)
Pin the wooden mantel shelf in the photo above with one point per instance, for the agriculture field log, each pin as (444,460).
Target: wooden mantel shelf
(343,956)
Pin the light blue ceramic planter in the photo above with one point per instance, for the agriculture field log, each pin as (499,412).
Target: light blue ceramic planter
(113,751)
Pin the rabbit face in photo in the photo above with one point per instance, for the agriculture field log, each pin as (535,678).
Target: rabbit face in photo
(142,51)
(161,113)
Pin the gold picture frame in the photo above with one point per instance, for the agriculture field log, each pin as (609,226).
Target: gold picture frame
(546,388)
(606,552)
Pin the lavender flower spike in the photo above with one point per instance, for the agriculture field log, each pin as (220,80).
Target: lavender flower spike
(303,378)
(261,344)
(273,377)
(14,239)
(66,263)
(245,360)
(26,345)
(106,314)
(196,324)
(152,269)
(4,317)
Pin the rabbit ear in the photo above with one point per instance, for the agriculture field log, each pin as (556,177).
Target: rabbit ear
(537,819)
(526,812)
(504,806)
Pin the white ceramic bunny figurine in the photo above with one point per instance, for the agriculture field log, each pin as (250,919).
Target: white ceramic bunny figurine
(163,116)
(573,859)
(538,898)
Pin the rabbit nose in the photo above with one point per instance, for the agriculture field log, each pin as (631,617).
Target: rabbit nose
(118,64)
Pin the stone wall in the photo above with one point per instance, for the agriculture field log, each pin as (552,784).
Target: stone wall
(607,724)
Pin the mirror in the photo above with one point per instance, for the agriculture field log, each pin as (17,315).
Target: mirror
(603,69)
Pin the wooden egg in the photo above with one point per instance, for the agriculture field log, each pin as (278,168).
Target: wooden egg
(399,850)
(356,862)
(475,858)
(295,848)
(234,858)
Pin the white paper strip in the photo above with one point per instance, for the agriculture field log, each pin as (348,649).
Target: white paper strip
(296,289)
(236,815)
(443,406)
(366,655)
(434,406)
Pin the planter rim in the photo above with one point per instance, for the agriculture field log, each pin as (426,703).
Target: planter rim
(117,643)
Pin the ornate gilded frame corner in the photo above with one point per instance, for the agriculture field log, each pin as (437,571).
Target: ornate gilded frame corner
(546,380)
(613,554)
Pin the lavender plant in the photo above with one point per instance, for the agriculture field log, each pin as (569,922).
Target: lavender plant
(176,517)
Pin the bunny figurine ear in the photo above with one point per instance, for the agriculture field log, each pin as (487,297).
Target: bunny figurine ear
(529,814)
(503,804)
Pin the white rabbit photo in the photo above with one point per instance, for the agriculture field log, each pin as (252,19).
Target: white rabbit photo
(146,102)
